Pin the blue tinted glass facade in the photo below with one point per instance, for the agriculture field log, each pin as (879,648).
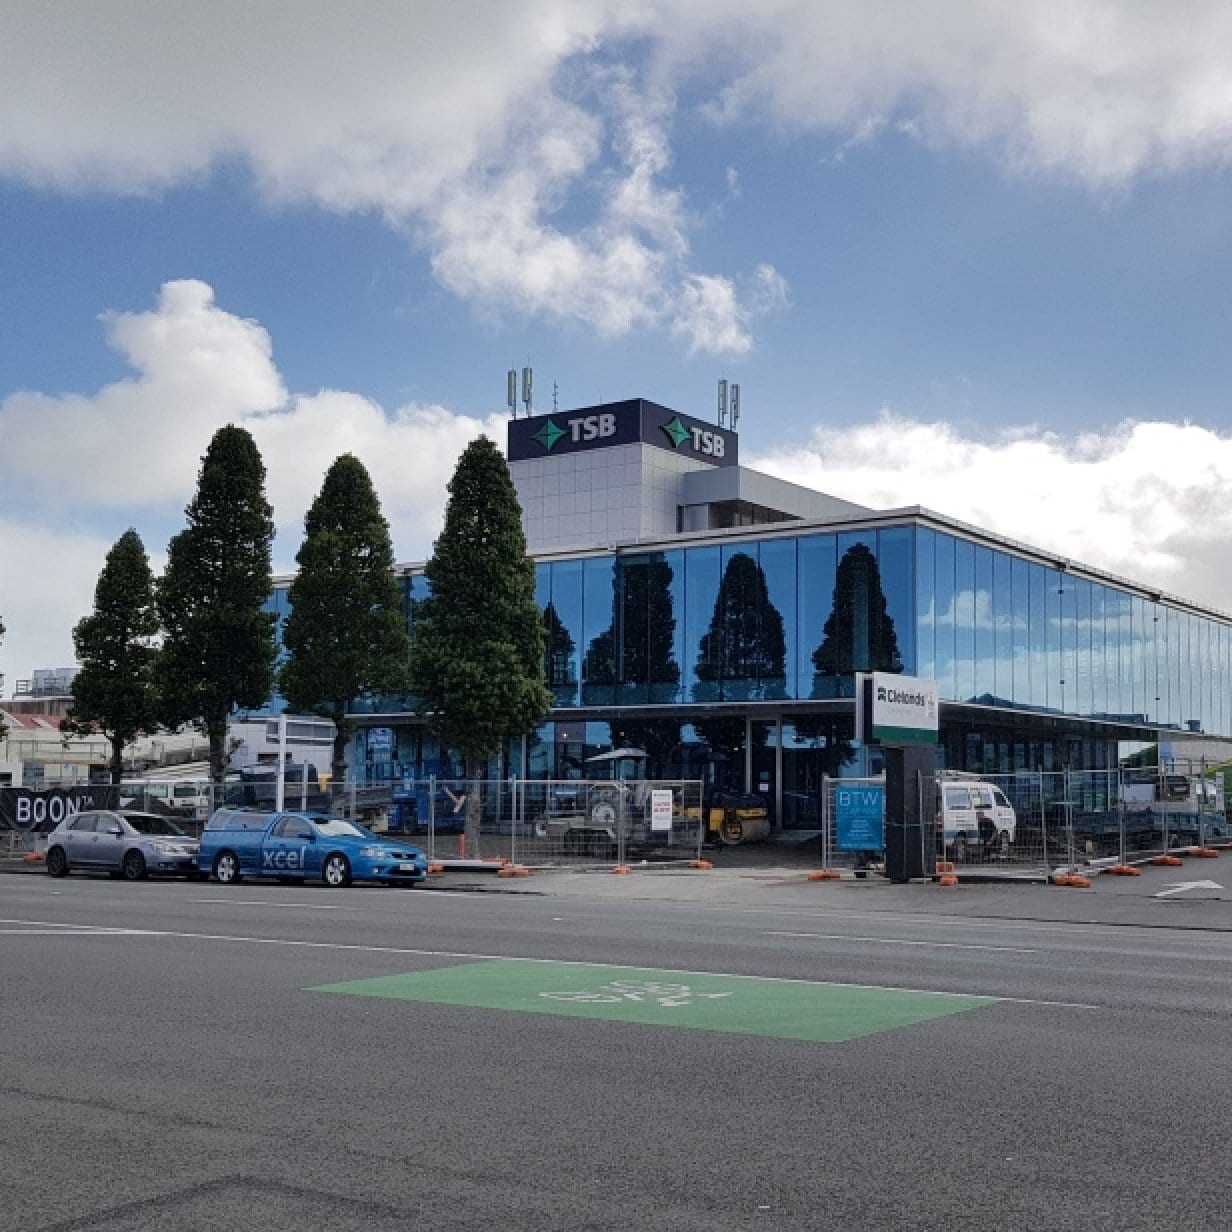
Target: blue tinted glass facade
(792,618)
(782,619)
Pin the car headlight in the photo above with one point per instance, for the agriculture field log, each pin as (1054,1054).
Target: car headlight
(375,853)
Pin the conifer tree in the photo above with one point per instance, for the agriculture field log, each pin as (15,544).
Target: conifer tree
(478,643)
(346,633)
(218,652)
(113,689)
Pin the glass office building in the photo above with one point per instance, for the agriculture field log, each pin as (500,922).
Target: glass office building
(745,631)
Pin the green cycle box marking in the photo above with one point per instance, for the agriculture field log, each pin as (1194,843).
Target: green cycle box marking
(737,1005)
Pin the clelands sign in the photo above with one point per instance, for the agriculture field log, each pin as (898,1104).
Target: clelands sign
(21,808)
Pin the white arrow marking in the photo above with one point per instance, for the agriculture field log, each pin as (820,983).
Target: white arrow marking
(1181,886)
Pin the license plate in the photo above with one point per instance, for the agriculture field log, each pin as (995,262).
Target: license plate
(406,868)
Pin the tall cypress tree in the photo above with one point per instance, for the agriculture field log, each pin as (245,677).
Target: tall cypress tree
(478,645)
(346,633)
(113,689)
(218,653)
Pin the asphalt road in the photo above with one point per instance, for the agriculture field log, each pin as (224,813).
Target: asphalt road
(170,1062)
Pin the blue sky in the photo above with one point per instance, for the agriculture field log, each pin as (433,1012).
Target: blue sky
(971,257)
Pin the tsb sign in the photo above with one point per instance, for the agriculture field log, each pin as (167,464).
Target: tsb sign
(709,444)
(634,421)
(592,427)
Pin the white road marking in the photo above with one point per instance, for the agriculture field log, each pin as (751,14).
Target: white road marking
(1180,887)
(53,932)
(935,945)
(347,947)
(264,902)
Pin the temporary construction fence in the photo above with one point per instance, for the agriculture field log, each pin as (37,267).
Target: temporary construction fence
(522,821)
(191,801)
(1032,821)
(556,821)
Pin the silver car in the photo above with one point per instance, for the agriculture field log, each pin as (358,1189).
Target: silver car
(121,842)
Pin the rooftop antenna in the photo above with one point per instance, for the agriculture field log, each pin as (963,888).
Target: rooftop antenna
(511,391)
(735,405)
(722,403)
(555,392)
(527,382)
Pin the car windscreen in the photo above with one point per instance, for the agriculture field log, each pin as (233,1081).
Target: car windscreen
(335,827)
(148,823)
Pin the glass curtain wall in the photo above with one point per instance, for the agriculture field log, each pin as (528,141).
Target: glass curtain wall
(791,618)
(997,629)
(777,620)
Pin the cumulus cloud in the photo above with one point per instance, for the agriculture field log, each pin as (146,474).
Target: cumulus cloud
(1096,90)
(77,471)
(1147,501)
(528,149)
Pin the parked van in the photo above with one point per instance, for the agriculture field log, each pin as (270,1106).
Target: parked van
(187,798)
(973,817)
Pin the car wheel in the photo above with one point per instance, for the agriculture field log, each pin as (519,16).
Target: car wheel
(336,871)
(960,848)
(57,862)
(227,867)
(133,867)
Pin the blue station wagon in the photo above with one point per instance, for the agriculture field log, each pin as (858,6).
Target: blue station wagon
(296,847)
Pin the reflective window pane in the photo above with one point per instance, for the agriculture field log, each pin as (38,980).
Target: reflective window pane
(817,561)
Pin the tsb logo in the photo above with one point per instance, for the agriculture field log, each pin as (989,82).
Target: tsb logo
(710,443)
(592,427)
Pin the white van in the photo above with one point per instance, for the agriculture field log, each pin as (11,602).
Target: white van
(178,797)
(974,818)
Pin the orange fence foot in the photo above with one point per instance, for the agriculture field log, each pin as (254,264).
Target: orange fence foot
(1170,861)
(513,870)
(1124,870)
(824,874)
(947,879)
(1205,853)
(700,864)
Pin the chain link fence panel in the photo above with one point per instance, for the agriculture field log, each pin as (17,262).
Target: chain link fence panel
(1038,822)
(555,821)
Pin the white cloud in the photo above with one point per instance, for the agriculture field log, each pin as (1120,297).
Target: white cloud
(77,471)
(138,442)
(1149,501)
(49,576)
(529,146)
(1100,90)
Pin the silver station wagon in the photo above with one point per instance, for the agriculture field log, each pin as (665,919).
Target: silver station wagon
(122,842)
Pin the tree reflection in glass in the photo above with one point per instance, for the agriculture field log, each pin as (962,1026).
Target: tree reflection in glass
(743,656)
(859,634)
(637,649)
(558,658)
